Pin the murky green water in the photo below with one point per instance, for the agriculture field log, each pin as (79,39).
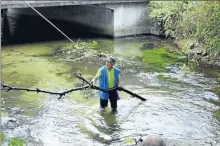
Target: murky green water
(182,104)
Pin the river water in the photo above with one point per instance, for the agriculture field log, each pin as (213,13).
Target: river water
(180,103)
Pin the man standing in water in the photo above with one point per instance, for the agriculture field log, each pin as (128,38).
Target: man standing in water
(108,76)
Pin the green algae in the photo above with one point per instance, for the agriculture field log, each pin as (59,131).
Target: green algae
(36,49)
(160,58)
(25,66)
(2,138)
(37,66)
(16,142)
(217,114)
(128,49)
(13,141)
(163,77)
(105,44)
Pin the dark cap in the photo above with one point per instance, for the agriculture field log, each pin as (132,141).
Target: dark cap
(111,59)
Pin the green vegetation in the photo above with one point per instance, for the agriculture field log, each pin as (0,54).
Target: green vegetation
(13,142)
(160,58)
(80,45)
(197,21)
(80,51)
(129,140)
(2,138)
(16,142)
(26,66)
(217,114)
(163,77)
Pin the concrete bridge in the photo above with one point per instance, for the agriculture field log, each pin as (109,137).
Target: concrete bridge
(21,4)
(113,18)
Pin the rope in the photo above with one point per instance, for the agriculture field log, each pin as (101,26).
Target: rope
(49,22)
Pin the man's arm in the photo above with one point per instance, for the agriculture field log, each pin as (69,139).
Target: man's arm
(97,76)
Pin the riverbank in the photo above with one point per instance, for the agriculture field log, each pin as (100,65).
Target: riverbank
(195,27)
(197,54)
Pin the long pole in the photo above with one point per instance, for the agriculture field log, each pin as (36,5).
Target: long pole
(49,22)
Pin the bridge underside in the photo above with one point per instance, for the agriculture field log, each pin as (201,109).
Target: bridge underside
(109,19)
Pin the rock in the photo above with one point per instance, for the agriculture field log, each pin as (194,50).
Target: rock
(197,44)
(101,55)
(137,58)
(148,46)
(205,60)
(16,110)
(182,59)
(217,63)
(12,120)
(173,69)
(12,125)
(153,141)
(192,45)
(190,55)
(210,96)
(22,132)
(198,51)
(204,53)
(192,60)
(9,123)
(4,120)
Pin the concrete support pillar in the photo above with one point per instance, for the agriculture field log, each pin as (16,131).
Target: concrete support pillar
(132,19)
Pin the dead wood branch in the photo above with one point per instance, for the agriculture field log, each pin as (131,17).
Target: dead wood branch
(116,88)
(9,88)
(61,94)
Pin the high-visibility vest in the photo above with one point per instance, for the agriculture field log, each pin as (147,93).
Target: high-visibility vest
(103,81)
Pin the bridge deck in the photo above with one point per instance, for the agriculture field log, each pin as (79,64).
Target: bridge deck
(22,4)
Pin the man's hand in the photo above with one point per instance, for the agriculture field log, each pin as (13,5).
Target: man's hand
(92,82)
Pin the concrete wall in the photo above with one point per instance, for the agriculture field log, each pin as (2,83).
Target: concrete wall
(132,19)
